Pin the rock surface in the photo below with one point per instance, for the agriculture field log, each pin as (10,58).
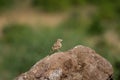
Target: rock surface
(79,63)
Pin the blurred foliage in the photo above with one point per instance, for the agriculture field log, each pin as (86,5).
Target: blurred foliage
(53,5)
(16,34)
(5,4)
(108,8)
(117,29)
(21,45)
(96,28)
(73,22)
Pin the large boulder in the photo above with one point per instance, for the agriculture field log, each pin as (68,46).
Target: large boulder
(79,63)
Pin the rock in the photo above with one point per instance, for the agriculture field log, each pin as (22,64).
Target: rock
(79,63)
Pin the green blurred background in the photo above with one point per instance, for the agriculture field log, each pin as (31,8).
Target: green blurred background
(28,29)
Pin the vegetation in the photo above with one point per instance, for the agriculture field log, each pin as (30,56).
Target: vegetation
(53,5)
(5,4)
(21,46)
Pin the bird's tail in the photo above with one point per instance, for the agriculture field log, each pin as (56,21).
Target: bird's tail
(50,52)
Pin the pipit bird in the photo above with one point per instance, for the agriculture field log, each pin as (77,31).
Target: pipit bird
(57,45)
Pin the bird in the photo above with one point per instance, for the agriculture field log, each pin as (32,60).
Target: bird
(57,45)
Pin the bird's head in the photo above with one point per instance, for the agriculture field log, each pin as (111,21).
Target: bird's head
(60,40)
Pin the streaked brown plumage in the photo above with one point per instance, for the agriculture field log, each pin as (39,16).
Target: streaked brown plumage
(57,45)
